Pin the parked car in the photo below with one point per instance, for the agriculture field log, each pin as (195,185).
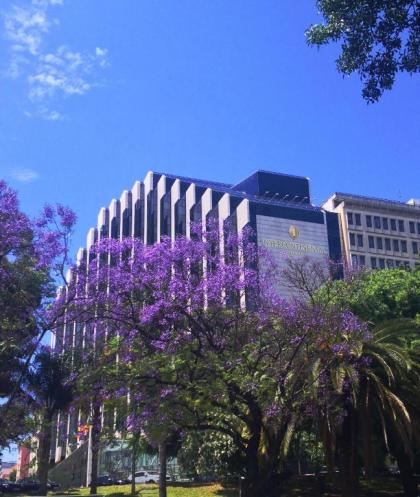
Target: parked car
(7,486)
(120,479)
(32,483)
(104,480)
(147,477)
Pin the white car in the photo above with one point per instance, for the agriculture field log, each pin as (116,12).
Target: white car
(146,477)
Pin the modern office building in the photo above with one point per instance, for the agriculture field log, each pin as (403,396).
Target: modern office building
(377,233)
(277,206)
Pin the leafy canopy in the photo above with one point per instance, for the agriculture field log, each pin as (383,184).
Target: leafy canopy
(378,295)
(379,38)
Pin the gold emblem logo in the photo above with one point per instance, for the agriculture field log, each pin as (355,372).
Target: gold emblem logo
(293,232)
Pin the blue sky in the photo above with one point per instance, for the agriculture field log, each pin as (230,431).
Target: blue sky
(95,93)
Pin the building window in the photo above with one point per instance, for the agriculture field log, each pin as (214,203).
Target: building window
(393,225)
(377,222)
(373,262)
(390,263)
(360,240)
(387,244)
(362,260)
(412,227)
(381,263)
(352,240)
(415,248)
(358,220)
(418,228)
(403,246)
(354,260)
(385,223)
(400,225)
(379,243)
(350,217)
(396,245)
(371,242)
(407,265)
(369,221)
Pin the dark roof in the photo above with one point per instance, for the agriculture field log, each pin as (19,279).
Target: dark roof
(227,188)
(199,182)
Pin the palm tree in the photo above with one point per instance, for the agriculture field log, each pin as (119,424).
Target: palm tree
(51,391)
(379,385)
(388,390)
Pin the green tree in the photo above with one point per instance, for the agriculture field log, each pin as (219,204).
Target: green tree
(51,391)
(376,296)
(379,38)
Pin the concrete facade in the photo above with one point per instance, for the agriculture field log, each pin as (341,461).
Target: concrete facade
(377,233)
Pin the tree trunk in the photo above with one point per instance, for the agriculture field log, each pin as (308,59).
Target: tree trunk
(264,485)
(348,454)
(366,426)
(408,479)
(261,475)
(44,452)
(162,468)
(133,467)
(95,442)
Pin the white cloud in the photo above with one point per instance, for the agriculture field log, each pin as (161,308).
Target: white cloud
(49,74)
(25,28)
(24,175)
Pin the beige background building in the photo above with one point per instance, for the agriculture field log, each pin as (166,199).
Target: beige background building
(377,233)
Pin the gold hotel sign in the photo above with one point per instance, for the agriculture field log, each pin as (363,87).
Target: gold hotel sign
(294,246)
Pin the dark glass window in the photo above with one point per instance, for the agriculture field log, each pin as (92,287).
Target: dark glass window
(412,227)
(379,243)
(407,265)
(152,217)
(381,263)
(138,219)
(352,240)
(418,228)
(397,263)
(377,222)
(362,260)
(396,245)
(358,220)
(360,240)
(115,226)
(390,263)
(126,223)
(180,217)
(369,221)
(373,262)
(387,244)
(400,225)
(385,223)
(354,260)
(371,242)
(415,248)
(403,246)
(350,217)
(165,214)
(393,225)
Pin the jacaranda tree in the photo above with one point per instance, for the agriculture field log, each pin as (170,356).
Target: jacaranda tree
(195,335)
(33,253)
